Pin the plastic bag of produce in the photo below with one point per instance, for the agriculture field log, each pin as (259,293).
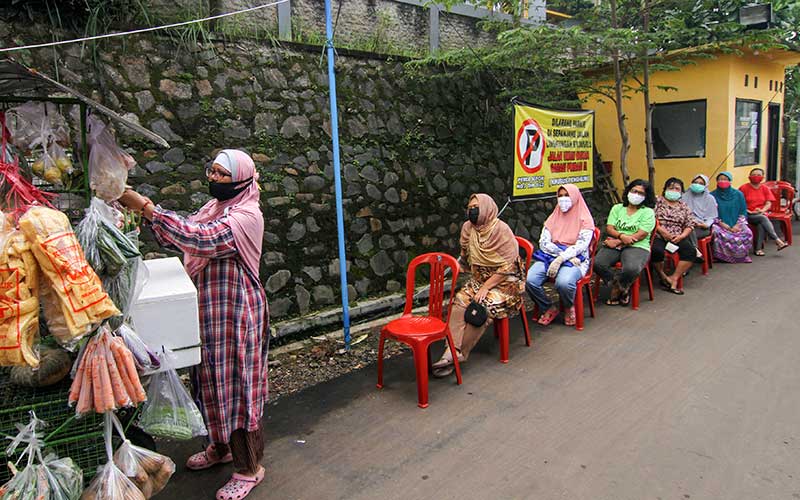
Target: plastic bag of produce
(108,163)
(106,378)
(170,411)
(148,470)
(111,483)
(43,478)
(19,298)
(37,124)
(54,166)
(146,361)
(107,249)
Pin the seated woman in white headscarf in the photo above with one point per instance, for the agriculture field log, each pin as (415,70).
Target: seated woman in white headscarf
(704,209)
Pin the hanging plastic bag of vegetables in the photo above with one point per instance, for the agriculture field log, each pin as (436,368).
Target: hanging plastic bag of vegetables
(43,477)
(170,411)
(111,483)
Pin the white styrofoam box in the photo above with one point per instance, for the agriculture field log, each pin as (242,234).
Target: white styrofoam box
(166,313)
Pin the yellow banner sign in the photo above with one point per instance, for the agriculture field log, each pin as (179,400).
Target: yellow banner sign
(551,148)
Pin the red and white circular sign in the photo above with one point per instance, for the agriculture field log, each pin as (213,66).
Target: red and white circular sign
(530,146)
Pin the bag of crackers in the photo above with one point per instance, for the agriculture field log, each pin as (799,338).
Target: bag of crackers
(19,298)
(72,295)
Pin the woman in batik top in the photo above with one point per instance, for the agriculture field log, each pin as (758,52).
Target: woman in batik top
(490,253)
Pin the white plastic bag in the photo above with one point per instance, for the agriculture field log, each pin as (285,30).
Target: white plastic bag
(108,163)
(148,470)
(170,411)
(43,478)
(111,483)
(37,124)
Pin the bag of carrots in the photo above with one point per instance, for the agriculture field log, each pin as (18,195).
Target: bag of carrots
(106,378)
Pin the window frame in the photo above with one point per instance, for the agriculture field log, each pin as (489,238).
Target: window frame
(705,128)
(760,120)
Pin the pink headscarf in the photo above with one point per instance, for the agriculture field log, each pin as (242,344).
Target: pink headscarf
(242,214)
(565,226)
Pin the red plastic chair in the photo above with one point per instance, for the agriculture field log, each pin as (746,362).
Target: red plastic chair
(501,327)
(586,281)
(782,210)
(635,292)
(704,245)
(673,259)
(419,332)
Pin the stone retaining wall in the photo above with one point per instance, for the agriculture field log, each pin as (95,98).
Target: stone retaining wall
(414,146)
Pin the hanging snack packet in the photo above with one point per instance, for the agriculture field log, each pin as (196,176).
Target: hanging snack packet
(80,294)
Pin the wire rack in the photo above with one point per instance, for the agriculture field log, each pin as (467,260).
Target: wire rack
(68,436)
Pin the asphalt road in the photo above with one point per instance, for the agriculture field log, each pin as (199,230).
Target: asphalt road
(692,397)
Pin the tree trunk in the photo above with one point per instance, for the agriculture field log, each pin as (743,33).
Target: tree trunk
(784,145)
(648,110)
(797,155)
(618,98)
(214,9)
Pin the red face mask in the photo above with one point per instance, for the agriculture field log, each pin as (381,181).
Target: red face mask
(756,179)
(724,184)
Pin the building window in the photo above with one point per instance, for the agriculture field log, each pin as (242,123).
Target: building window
(770,85)
(748,132)
(746,80)
(755,82)
(679,129)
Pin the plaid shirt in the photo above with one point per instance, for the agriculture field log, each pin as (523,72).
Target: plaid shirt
(231,380)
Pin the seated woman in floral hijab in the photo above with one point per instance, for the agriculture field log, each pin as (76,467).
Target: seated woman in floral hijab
(490,253)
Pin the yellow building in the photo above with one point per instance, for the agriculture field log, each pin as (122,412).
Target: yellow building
(725,114)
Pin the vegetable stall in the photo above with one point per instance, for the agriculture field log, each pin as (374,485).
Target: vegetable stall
(87,372)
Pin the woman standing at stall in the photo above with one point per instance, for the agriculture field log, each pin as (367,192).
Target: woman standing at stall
(222,250)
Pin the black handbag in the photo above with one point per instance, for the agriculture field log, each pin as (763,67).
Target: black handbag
(476,314)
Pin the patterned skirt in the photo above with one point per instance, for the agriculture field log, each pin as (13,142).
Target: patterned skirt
(502,301)
(730,246)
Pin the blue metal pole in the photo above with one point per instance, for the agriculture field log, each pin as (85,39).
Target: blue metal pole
(337,176)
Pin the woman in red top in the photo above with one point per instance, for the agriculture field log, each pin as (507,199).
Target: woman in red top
(759,200)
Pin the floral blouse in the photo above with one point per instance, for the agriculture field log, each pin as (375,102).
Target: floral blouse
(674,218)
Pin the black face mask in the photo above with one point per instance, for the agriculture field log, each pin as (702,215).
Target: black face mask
(472,214)
(224,191)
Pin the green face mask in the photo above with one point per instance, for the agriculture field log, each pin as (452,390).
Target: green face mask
(672,195)
(697,188)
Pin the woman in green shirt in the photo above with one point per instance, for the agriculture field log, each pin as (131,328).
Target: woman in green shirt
(628,231)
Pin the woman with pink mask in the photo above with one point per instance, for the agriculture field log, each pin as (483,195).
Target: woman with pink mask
(732,236)
(221,245)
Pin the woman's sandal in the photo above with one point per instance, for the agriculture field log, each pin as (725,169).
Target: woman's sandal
(239,486)
(569,317)
(205,459)
(781,247)
(444,371)
(624,299)
(760,253)
(548,316)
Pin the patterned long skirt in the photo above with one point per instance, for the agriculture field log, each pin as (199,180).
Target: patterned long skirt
(733,247)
